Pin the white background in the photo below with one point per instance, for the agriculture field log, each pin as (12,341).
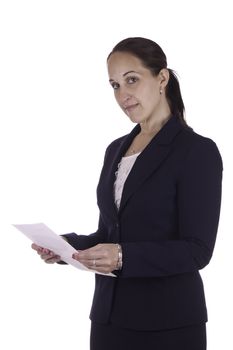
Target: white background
(58,114)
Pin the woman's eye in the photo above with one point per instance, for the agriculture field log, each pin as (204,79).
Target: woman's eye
(132,80)
(115,86)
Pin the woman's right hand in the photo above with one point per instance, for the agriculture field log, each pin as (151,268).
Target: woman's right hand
(47,255)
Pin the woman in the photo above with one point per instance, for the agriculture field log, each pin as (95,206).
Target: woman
(159,197)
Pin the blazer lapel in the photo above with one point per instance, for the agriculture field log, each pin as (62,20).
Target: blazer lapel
(105,188)
(150,159)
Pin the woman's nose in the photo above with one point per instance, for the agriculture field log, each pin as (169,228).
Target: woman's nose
(124,96)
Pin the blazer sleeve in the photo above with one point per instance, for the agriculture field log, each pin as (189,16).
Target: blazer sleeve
(198,209)
(81,242)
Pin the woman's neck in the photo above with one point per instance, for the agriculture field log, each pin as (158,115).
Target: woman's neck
(152,127)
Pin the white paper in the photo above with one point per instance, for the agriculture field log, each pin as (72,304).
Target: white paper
(43,236)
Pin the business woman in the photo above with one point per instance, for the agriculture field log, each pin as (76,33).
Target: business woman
(159,198)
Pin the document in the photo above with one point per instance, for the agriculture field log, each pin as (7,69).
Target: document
(43,236)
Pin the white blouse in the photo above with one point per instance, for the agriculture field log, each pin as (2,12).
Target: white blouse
(124,168)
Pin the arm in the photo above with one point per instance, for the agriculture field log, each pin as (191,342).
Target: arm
(81,242)
(198,205)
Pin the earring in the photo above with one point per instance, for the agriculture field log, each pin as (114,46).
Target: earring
(160,91)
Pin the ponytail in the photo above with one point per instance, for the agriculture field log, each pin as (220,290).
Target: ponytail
(174,97)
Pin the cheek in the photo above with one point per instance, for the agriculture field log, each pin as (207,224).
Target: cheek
(116,95)
(150,96)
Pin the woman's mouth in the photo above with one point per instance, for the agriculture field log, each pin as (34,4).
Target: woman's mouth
(130,108)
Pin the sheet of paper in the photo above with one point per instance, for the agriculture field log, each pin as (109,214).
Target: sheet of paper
(43,236)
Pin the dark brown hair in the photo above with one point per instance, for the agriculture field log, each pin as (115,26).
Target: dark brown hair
(153,58)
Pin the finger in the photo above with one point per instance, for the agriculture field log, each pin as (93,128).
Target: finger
(104,270)
(48,254)
(100,265)
(103,264)
(89,255)
(45,251)
(82,257)
(35,246)
(91,252)
(93,263)
(53,260)
(45,256)
(49,258)
(40,250)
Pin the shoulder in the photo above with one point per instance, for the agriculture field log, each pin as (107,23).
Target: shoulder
(199,146)
(114,145)
(117,142)
(192,139)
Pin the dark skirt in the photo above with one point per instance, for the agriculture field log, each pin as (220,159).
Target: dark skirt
(110,337)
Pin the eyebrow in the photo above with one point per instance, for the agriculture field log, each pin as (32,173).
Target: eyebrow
(130,71)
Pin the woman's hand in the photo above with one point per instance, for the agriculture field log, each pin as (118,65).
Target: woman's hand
(47,255)
(102,258)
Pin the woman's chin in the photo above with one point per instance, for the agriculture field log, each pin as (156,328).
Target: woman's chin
(135,118)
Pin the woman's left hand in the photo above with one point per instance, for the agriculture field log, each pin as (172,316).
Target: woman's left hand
(102,257)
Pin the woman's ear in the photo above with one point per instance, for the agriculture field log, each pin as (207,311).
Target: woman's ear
(164,77)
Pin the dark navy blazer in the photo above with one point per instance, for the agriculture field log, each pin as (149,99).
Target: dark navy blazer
(167,224)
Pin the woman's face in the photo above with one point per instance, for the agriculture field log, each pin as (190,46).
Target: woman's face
(136,90)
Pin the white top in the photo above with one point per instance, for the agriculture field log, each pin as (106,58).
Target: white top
(124,168)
